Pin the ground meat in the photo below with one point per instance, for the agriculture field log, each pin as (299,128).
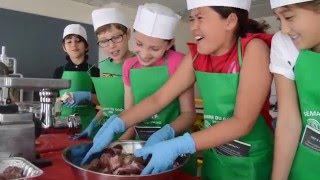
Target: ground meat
(11,172)
(113,161)
(127,170)
(104,160)
(93,165)
(2,177)
(117,149)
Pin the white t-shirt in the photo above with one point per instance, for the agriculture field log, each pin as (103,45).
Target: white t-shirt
(283,55)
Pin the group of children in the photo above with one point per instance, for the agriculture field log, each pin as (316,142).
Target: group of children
(232,64)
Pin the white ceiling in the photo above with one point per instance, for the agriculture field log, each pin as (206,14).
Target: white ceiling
(260,8)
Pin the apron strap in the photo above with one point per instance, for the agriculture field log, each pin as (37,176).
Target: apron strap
(134,64)
(89,70)
(240,52)
(109,59)
(194,59)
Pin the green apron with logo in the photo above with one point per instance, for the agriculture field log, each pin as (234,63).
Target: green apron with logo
(219,91)
(307,160)
(109,88)
(144,82)
(80,81)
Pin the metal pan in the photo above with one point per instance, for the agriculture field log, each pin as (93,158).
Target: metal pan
(74,154)
(29,170)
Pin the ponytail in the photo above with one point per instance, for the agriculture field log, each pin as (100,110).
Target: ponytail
(245,25)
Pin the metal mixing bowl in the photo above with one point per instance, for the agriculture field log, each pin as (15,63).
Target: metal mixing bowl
(74,154)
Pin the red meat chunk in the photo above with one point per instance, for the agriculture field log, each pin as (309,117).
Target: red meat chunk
(12,172)
(113,161)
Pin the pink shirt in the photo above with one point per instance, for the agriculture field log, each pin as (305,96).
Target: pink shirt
(174,59)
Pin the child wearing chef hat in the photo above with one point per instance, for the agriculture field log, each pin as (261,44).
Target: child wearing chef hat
(153,38)
(230,62)
(155,62)
(113,34)
(295,63)
(70,33)
(74,43)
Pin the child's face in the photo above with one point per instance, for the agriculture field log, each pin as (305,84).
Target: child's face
(302,25)
(208,29)
(74,47)
(149,49)
(115,43)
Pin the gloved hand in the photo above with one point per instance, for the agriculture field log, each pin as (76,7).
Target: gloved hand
(165,153)
(88,131)
(78,98)
(165,133)
(76,153)
(104,136)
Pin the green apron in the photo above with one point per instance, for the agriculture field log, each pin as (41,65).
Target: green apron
(219,92)
(109,88)
(307,159)
(144,82)
(80,81)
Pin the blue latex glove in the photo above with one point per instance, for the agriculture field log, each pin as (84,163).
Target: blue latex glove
(78,98)
(163,134)
(76,153)
(165,153)
(88,131)
(113,125)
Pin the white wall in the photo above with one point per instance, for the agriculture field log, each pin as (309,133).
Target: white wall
(62,9)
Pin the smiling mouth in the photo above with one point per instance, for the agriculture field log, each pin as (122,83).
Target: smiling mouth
(198,38)
(114,53)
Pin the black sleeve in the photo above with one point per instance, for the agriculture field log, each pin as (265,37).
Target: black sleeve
(95,72)
(58,73)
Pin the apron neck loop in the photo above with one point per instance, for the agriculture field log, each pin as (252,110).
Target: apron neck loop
(89,70)
(194,59)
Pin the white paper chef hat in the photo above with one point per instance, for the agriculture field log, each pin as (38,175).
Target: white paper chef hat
(280,3)
(241,4)
(156,20)
(101,17)
(75,29)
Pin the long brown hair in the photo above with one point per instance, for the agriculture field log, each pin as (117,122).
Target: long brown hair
(245,25)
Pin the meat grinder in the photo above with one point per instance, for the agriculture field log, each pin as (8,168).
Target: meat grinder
(17,129)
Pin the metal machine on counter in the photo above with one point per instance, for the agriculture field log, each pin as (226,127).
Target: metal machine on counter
(17,128)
